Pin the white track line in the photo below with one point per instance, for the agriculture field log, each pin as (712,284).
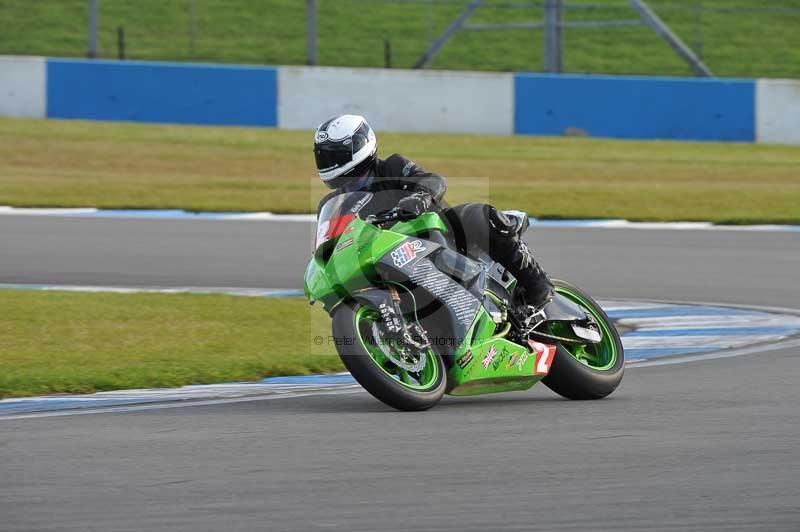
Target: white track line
(672,226)
(225,290)
(723,345)
(715,356)
(355,388)
(176,214)
(20,211)
(339,390)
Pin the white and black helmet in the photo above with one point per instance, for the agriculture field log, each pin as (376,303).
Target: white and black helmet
(344,147)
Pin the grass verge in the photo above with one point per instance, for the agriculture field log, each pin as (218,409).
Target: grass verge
(117,165)
(66,342)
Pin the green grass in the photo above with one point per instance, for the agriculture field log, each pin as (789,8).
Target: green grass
(116,165)
(63,342)
(754,38)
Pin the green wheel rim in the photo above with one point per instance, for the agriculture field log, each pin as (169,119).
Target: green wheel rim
(422,380)
(602,356)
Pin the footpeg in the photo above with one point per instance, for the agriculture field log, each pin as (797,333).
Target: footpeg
(536,318)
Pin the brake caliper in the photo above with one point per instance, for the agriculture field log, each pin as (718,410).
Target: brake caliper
(404,344)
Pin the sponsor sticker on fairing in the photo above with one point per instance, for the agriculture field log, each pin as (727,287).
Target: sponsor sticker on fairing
(464,360)
(498,360)
(512,359)
(490,354)
(344,243)
(521,361)
(360,203)
(407,252)
(544,357)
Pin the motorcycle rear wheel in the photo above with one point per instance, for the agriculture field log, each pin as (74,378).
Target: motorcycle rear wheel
(593,371)
(387,382)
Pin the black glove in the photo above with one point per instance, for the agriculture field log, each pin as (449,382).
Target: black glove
(415,204)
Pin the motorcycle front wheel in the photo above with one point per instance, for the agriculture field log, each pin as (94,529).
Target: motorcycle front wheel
(362,348)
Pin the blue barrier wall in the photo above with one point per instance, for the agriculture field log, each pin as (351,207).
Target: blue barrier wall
(635,108)
(162,92)
(533,104)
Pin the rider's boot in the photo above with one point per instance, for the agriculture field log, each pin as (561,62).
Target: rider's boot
(508,248)
(534,281)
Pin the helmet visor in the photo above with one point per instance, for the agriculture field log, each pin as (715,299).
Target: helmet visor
(332,156)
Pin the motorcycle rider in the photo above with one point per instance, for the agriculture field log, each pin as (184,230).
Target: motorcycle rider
(345,149)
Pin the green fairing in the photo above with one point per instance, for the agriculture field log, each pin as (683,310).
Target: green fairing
(350,267)
(510,369)
(354,265)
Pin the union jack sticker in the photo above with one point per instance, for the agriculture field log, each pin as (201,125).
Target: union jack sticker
(490,354)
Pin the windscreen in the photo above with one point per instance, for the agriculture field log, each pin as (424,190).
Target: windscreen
(337,212)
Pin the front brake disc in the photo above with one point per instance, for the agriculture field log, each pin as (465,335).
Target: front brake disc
(404,361)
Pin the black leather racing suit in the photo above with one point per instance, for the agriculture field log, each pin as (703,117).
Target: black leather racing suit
(476,227)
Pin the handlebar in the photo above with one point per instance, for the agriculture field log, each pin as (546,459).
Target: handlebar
(392,215)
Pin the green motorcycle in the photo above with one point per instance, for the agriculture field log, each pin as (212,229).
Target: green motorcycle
(414,319)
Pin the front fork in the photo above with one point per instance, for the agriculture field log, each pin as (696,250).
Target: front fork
(396,326)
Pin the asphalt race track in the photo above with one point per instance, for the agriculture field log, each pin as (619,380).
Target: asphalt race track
(709,445)
(749,268)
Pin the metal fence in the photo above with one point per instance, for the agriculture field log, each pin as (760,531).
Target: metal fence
(753,38)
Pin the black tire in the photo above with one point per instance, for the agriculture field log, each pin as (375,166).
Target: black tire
(367,373)
(572,379)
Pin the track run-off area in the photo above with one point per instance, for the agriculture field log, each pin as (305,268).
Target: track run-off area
(653,333)
(700,439)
